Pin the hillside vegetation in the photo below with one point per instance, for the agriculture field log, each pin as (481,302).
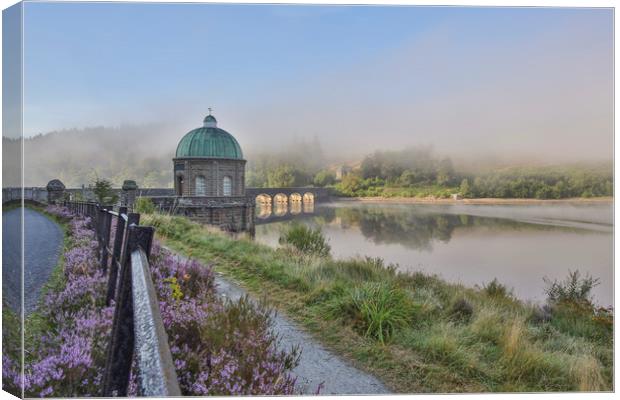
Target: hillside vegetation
(416,173)
(144,154)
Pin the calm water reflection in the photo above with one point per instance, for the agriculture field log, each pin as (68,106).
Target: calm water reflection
(471,244)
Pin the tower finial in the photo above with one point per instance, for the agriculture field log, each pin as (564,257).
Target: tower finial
(210,121)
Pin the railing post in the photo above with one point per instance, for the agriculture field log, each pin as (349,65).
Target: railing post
(105,239)
(116,254)
(100,219)
(132,219)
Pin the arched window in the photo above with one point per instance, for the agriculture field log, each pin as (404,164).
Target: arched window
(201,188)
(227,183)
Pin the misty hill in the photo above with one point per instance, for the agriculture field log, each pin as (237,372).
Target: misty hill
(76,156)
(143,153)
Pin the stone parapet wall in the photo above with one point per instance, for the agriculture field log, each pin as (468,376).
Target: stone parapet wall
(229,213)
(38,194)
(167,202)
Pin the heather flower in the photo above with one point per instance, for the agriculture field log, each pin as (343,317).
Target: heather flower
(218,348)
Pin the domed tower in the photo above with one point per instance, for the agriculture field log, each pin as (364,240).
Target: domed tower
(209,162)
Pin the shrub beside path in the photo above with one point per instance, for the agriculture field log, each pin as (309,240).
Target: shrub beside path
(317,365)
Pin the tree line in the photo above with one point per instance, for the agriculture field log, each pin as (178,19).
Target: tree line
(79,156)
(417,172)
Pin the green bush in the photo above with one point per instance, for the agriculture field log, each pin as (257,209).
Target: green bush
(324,178)
(144,205)
(573,289)
(462,310)
(104,192)
(306,240)
(496,289)
(377,309)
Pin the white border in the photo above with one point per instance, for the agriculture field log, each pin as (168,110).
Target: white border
(481,3)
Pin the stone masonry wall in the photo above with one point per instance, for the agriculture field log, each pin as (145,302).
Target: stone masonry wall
(214,171)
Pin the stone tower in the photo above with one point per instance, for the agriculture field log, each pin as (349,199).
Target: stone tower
(209,162)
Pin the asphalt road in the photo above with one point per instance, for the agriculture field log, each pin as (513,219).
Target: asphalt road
(43,240)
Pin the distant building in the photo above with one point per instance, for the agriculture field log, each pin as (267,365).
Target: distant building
(209,179)
(209,162)
(342,171)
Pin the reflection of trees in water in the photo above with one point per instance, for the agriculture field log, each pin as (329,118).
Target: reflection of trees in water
(412,230)
(418,230)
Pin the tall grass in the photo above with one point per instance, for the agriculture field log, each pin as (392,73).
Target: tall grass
(144,205)
(416,331)
(377,309)
(305,239)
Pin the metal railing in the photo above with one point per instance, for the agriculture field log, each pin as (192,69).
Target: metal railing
(137,329)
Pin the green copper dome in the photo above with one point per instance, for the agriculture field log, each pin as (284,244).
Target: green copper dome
(209,142)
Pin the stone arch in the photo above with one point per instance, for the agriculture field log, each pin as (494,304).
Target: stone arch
(295,198)
(263,199)
(280,198)
(264,211)
(308,197)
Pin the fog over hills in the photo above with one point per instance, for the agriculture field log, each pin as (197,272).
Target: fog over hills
(140,152)
(144,153)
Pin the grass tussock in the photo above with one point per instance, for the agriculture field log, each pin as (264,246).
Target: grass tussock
(306,240)
(415,331)
(377,310)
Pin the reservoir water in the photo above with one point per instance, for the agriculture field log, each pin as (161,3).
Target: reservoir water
(469,244)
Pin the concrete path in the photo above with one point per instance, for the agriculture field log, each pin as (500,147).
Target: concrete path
(317,365)
(43,241)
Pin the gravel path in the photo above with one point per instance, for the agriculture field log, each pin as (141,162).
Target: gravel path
(317,365)
(43,241)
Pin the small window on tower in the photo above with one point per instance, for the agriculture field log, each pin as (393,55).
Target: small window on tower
(227,186)
(201,188)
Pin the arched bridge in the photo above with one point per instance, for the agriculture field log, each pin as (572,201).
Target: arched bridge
(288,195)
(278,197)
